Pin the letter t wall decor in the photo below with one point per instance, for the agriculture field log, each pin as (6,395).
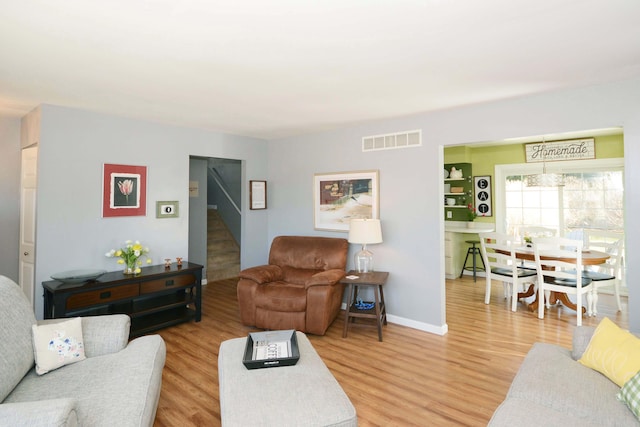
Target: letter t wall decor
(483,195)
(124,190)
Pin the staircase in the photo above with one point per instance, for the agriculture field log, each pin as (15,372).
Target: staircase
(223,253)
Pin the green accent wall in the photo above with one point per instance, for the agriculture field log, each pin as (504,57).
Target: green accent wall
(485,157)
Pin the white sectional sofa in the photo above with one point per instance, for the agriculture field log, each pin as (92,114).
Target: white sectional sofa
(118,384)
(552,388)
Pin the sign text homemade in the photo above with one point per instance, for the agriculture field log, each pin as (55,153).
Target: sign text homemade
(573,149)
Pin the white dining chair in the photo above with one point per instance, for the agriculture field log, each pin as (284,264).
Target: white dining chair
(609,273)
(559,268)
(529,232)
(499,254)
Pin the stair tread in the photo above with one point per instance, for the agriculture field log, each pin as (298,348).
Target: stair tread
(223,252)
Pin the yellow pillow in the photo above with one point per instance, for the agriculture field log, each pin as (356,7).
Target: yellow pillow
(613,352)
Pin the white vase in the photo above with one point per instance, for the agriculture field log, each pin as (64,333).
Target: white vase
(471,224)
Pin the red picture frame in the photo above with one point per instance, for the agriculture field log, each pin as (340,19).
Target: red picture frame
(124,190)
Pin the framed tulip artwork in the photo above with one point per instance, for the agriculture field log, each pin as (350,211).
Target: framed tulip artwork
(124,190)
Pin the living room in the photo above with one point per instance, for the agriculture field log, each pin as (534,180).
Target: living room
(69,227)
(75,142)
(63,228)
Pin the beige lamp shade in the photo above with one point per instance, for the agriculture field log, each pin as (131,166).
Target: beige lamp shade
(364,231)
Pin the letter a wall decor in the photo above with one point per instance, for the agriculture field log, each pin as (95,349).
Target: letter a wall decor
(482,189)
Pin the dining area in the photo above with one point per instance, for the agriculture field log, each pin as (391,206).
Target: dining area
(540,270)
(552,266)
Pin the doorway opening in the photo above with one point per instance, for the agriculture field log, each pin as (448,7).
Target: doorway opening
(215,226)
(489,158)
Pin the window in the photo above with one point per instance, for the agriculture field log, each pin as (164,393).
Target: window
(592,197)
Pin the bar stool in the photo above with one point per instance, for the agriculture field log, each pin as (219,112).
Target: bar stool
(473,251)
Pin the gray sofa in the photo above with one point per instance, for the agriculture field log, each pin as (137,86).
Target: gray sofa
(552,389)
(117,384)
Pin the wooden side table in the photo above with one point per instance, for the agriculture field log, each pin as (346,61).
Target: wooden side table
(376,279)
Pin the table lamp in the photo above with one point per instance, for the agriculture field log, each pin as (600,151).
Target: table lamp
(364,231)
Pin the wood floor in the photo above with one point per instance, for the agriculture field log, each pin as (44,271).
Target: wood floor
(413,378)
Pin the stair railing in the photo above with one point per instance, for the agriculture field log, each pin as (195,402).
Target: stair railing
(218,179)
(229,211)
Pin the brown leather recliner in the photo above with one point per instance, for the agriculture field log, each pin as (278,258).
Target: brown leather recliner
(300,288)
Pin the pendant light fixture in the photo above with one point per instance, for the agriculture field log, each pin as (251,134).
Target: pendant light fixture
(544,179)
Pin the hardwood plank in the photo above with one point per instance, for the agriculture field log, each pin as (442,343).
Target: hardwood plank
(411,378)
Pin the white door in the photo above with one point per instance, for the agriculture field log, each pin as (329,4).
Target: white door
(26,273)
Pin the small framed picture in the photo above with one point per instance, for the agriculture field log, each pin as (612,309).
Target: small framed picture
(166,209)
(257,194)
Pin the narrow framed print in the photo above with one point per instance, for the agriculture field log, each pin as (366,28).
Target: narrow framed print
(167,209)
(257,195)
(124,190)
(340,197)
(482,187)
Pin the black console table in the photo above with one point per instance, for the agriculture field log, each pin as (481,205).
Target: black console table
(156,298)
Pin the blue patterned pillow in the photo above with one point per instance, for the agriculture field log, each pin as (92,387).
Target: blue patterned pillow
(630,394)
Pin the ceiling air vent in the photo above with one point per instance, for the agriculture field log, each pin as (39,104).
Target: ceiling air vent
(412,138)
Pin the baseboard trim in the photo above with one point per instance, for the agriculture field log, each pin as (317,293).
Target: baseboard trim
(421,326)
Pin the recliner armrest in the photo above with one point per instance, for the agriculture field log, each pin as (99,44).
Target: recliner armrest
(327,277)
(262,274)
(40,413)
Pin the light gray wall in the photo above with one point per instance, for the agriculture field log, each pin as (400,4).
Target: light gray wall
(10,159)
(406,213)
(75,144)
(198,214)
(410,183)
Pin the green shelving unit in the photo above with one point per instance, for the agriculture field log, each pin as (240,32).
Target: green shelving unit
(459,211)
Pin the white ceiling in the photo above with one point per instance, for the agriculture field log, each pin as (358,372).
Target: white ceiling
(279,68)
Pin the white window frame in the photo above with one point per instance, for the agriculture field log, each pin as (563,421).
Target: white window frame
(577,166)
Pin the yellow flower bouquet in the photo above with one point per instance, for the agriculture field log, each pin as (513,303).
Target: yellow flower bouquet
(130,256)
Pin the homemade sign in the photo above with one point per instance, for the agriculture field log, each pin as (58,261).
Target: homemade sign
(573,149)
